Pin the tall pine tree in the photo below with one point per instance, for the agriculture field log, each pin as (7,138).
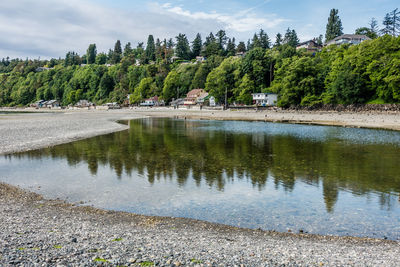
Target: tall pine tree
(117,53)
(91,54)
(196,46)
(150,49)
(279,40)
(334,27)
(182,49)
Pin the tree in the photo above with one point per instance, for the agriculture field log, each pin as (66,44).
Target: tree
(231,47)
(279,40)
(150,49)
(241,48)
(222,81)
(91,54)
(391,23)
(265,43)
(128,49)
(71,59)
(182,49)
(373,25)
(221,39)
(366,31)
(117,53)
(196,46)
(291,38)
(334,27)
(211,46)
(101,59)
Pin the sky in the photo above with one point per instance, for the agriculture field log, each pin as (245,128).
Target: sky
(50,28)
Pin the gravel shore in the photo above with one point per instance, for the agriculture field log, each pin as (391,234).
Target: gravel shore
(36,231)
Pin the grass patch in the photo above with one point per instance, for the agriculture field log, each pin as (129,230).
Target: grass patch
(146,263)
(376,101)
(100,260)
(196,261)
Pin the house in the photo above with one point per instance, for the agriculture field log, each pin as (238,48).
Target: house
(200,59)
(113,105)
(177,102)
(174,59)
(310,46)
(83,103)
(211,101)
(202,98)
(40,69)
(151,102)
(348,39)
(265,99)
(52,104)
(191,98)
(240,54)
(38,104)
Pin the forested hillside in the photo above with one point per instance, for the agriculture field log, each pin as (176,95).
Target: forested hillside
(346,74)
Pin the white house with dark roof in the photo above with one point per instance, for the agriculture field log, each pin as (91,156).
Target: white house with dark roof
(310,46)
(348,39)
(265,99)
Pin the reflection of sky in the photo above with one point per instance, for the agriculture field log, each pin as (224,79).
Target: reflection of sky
(310,132)
(239,204)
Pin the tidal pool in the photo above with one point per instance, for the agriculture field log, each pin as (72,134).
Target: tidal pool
(317,179)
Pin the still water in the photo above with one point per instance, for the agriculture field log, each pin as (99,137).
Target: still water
(323,180)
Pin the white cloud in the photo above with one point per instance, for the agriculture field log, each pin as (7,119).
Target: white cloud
(50,28)
(242,21)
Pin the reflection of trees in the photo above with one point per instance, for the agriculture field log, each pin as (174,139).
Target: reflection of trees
(163,149)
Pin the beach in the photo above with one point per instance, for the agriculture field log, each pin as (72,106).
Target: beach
(37,231)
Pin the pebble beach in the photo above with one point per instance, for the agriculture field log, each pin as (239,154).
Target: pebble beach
(50,232)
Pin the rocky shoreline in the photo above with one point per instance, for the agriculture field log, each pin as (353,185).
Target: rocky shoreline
(40,232)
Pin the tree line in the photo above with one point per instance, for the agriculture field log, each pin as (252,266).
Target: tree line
(365,73)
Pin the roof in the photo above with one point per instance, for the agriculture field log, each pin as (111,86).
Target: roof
(349,36)
(309,41)
(264,94)
(196,92)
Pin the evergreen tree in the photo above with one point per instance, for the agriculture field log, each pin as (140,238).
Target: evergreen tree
(159,50)
(392,23)
(117,53)
(291,38)
(387,25)
(221,39)
(319,40)
(150,49)
(182,49)
(231,47)
(241,48)
(91,54)
(279,40)
(128,49)
(71,59)
(265,43)
(366,31)
(211,46)
(196,46)
(255,42)
(334,27)
(373,25)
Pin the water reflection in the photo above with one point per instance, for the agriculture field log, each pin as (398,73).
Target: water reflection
(224,152)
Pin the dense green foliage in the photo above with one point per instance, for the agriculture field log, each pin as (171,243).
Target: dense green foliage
(365,73)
